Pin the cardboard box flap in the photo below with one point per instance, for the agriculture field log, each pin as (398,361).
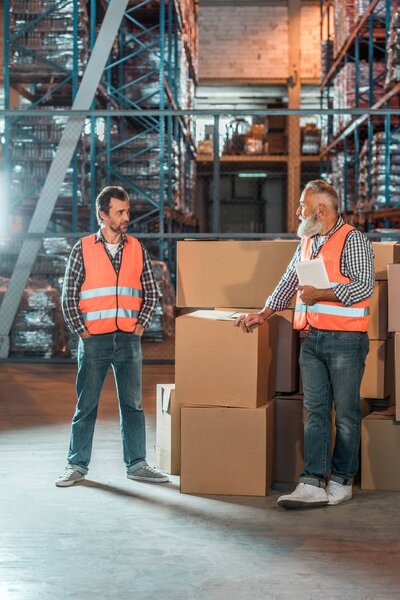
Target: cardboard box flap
(215,315)
(166,398)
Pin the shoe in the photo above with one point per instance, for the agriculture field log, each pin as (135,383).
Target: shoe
(338,493)
(146,473)
(69,477)
(304,496)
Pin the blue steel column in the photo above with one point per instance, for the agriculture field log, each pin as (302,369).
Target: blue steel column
(92,151)
(162,125)
(371,59)
(356,163)
(357,64)
(74,215)
(387,117)
(345,177)
(170,65)
(6,175)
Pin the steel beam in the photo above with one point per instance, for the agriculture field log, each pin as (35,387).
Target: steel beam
(58,169)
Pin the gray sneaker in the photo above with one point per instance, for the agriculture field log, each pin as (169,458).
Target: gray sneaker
(146,473)
(69,477)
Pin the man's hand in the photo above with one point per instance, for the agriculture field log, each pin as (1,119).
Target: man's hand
(310,295)
(139,329)
(252,320)
(85,335)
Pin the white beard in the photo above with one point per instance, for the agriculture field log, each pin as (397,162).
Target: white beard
(309,226)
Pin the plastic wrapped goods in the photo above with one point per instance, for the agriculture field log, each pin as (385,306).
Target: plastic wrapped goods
(393,52)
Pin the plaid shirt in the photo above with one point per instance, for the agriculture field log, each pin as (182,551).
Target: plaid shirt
(75,276)
(357,264)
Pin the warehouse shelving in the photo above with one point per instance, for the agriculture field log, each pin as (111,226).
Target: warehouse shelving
(345,136)
(152,65)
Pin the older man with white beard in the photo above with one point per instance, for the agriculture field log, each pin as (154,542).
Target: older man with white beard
(332,356)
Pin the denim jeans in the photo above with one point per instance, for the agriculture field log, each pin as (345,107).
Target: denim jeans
(332,365)
(123,352)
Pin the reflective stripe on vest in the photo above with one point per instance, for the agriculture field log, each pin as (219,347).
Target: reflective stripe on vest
(333,309)
(110,291)
(110,314)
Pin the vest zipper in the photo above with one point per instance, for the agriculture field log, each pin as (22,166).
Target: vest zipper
(116,289)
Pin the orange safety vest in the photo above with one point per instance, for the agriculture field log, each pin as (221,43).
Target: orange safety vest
(333,316)
(109,301)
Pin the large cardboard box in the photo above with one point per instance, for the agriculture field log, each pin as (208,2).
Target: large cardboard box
(394,297)
(286,350)
(397,374)
(378,379)
(226,450)
(289,431)
(385,254)
(287,353)
(380,451)
(378,310)
(219,364)
(168,429)
(230,273)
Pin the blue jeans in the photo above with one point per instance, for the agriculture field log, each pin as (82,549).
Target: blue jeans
(332,365)
(123,352)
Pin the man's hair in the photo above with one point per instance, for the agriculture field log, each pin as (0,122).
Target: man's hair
(104,198)
(319,186)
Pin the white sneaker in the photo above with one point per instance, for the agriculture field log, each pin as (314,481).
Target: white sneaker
(146,473)
(304,496)
(338,493)
(69,477)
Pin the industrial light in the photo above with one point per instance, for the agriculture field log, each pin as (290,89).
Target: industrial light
(253,174)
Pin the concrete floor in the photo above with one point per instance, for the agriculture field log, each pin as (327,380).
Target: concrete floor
(112,538)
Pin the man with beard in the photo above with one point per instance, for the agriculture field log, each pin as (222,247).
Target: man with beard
(109,297)
(332,356)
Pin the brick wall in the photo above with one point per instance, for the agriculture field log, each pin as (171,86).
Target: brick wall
(310,42)
(237,42)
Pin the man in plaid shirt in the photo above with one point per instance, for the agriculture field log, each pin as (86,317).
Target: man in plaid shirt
(332,355)
(108,299)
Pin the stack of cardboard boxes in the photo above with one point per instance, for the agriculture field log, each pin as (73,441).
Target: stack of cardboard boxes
(381,429)
(234,389)
(225,378)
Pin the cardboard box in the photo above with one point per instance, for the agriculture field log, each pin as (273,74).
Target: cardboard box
(397,374)
(287,353)
(289,432)
(394,297)
(168,429)
(386,253)
(227,450)
(380,451)
(378,380)
(286,349)
(276,123)
(230,273)
(378,312)
(277,142)
(218,364)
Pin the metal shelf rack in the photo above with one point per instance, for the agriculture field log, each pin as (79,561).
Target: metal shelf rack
(152,65)
(344,140)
